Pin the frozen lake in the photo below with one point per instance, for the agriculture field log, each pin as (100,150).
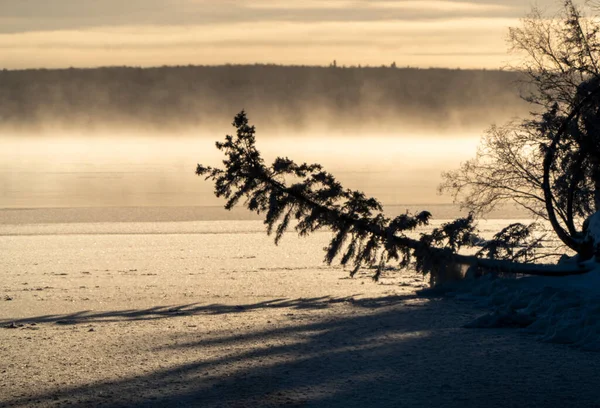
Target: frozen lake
(212,314)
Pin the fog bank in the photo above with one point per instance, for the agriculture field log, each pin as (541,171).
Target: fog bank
(114,137)
(282,98)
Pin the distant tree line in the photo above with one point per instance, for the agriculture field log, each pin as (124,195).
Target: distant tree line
(277,96)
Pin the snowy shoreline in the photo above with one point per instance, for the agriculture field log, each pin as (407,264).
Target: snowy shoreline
(563,310)
(133,318)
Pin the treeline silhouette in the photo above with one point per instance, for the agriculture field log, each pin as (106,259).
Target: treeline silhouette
(277,96)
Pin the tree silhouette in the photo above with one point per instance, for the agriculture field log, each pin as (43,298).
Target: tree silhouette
(363,235)
(549,164)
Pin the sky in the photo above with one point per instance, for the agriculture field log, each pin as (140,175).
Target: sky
(418,33)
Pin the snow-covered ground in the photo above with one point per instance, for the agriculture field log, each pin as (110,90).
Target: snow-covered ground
(212,314)
(556,309)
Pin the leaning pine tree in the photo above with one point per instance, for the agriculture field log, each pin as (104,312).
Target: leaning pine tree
(549,164)
(363,235)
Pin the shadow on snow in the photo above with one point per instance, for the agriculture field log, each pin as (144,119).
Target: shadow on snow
(163,312)
(387,354)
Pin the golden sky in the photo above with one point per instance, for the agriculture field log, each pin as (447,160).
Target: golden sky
(89,33)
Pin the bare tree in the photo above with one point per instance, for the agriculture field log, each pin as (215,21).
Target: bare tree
(548,163)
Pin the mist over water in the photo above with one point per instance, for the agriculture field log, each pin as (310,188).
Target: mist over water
(130,137)
(171,100)
(128,170)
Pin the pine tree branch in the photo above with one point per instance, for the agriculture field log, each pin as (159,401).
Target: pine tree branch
(318,201)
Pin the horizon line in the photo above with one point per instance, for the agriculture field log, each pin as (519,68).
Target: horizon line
(264,64)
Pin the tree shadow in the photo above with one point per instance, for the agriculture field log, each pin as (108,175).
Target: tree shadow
(191,309)
(389,356)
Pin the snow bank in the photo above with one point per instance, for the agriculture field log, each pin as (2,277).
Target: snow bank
(592,228)
(557,309)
